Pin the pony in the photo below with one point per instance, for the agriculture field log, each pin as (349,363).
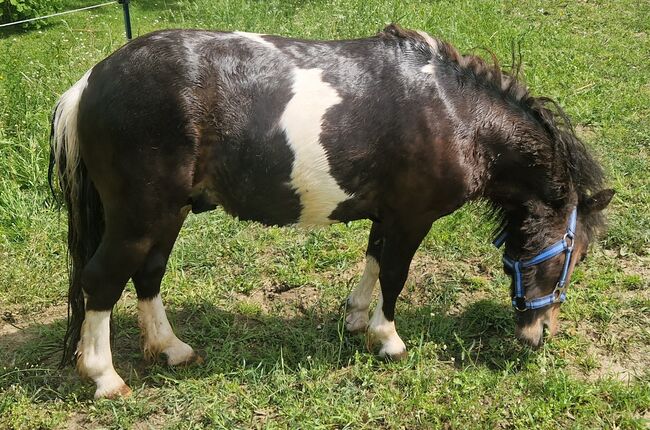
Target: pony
(398,128)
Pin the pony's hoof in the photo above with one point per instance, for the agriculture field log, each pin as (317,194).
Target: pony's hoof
(122,391)
(391,350)
(356,322)
(179,354)
(193,360)
(395,356)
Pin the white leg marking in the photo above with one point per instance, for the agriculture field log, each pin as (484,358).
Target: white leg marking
(94,358)
(158,336)
(257,37)
(359,300)
(302,123)
(384,331)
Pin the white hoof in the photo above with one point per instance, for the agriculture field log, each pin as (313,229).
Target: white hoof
(94,360)
(383,331)
(158,336)
(356,321)
(393,350)
(180,353)
(358,301)
(110,386)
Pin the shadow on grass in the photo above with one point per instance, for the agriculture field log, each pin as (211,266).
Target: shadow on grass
(235,341)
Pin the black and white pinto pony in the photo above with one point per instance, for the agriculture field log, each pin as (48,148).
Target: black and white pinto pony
(398,128)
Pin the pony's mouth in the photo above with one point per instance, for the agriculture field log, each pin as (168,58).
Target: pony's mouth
(531,335)
(533,332)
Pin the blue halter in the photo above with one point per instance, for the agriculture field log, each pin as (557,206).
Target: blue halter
(558,295)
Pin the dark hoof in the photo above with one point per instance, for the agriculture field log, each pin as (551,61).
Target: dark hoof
(194,359)
(396,357)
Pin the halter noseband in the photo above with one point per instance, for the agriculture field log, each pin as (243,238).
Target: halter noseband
(565,245)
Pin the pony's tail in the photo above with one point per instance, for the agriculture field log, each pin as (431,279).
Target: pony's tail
(85,213)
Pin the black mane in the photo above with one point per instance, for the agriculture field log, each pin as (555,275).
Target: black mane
(569,165)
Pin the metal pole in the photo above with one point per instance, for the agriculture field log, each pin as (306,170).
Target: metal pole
(127,18)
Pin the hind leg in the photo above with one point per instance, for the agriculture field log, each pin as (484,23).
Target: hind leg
(358,301)
(157,334)
(103,280)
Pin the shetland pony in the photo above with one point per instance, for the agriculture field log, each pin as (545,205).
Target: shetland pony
(398,128)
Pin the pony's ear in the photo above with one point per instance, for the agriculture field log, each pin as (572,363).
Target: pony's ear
(598,201)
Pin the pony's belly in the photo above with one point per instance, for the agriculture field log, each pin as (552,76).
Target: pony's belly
(272,203)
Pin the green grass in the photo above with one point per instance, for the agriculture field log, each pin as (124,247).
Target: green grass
(263,304)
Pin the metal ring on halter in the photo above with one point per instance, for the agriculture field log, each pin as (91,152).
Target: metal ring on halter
(569,242)
(557,292)
(519,303)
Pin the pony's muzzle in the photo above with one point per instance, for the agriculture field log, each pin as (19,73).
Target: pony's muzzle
(530,325)
(531,335)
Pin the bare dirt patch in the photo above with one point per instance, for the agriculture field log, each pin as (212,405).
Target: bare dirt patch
(624,368)
(11,322)
(586,132)
(17,330)
(288,299)
(77,421)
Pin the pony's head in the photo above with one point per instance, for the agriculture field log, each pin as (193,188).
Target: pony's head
(546,187)
(540,256)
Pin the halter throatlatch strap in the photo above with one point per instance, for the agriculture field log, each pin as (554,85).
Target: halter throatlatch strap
(565,245)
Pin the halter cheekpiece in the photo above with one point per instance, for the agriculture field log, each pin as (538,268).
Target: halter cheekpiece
(565,245)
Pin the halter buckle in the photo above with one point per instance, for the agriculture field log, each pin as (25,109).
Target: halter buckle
(569,240)
(520,304)
(558,291)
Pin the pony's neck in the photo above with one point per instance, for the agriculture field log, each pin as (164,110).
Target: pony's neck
(520,163)
(524,179)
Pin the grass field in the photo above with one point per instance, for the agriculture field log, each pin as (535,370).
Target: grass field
(262,304)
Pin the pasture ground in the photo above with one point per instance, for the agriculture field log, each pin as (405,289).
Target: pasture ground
(262,304)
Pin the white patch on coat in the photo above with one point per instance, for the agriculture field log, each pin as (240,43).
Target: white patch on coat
(442,94)
(157,334)
(94,359)
(302,121)
(384,331)
(428,69)
(359,300)
(433,43)
(256,37)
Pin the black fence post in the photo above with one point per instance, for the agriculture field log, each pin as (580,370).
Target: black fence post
(127,18)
